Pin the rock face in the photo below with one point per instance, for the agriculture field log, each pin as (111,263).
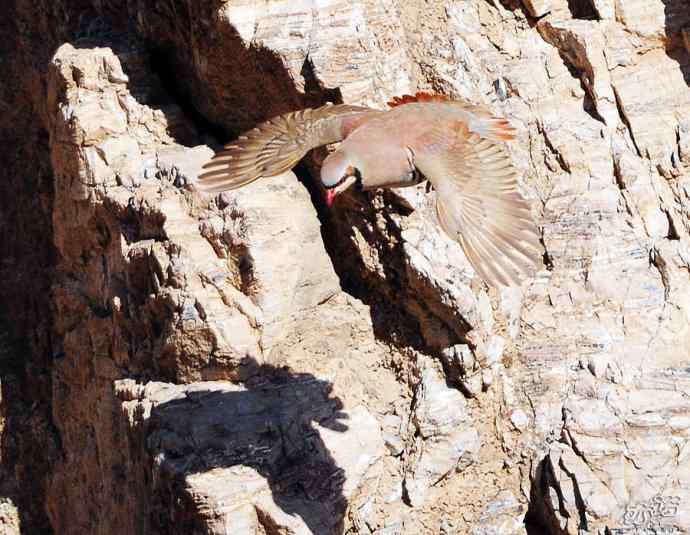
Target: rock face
(254,363)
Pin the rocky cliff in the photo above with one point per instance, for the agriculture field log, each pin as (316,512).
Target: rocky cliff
(256,363)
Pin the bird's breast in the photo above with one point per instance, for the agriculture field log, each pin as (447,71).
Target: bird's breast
(384,160)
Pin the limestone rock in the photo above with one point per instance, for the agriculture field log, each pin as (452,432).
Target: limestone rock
(503,515)
(9,518)
(252,230)
(446,440)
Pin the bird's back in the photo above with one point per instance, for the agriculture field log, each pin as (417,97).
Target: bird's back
(386,142)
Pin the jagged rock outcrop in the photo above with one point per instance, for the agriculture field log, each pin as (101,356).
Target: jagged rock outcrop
(254,363)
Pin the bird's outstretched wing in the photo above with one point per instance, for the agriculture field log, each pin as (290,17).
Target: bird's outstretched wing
(277,145)
(478,202)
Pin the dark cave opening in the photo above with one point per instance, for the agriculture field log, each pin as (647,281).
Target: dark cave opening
(163,65)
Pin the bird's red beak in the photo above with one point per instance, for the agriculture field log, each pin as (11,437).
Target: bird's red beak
(330,196)
(332,193)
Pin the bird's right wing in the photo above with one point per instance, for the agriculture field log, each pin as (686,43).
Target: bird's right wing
(478,202)
(277,145)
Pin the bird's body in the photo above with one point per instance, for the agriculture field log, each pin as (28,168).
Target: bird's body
(385,162)
(455,145)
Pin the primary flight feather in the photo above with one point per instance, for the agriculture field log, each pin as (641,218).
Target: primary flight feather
(458,147)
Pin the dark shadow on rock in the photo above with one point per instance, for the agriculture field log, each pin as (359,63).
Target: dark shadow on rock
(582,9)
(29,443)
(269,427)
(230,80)
(539,519)
(149,88)
(676,20)
(400,314)
(545,495)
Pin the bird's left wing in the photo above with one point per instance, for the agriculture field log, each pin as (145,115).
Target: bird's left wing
(478,202)
(277,145)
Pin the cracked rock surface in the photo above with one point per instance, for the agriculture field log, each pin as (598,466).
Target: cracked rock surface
(254,363)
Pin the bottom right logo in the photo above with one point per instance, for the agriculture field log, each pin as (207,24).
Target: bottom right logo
(650,517)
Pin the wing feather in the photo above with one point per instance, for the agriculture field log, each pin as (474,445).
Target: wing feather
(277,145)
(478,202)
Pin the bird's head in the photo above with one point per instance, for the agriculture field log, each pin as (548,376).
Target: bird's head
(339,173)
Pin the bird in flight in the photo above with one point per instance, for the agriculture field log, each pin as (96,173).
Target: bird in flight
(457,146)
